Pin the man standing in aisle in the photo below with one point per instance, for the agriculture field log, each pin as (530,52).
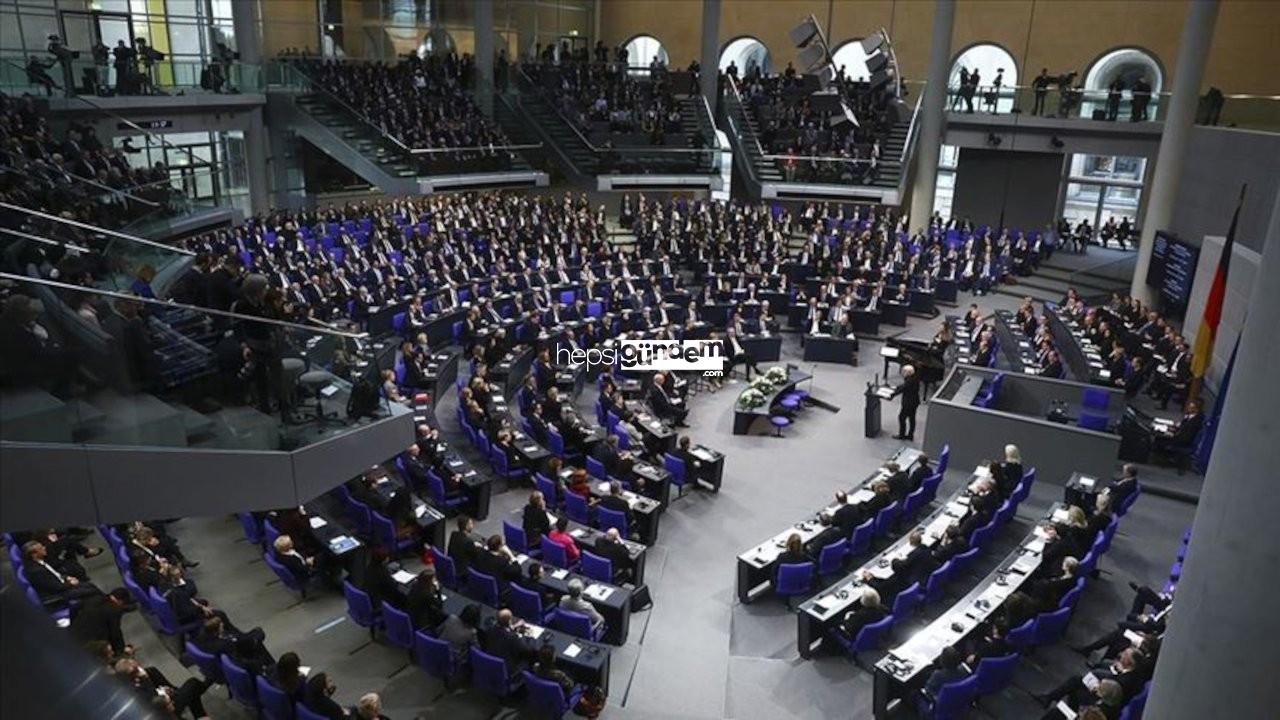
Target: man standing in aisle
(910,392)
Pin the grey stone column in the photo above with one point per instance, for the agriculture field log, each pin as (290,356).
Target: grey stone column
(247,29)
(1193,53)
(709,79)
(932,119)
(1220,654)
(484,55)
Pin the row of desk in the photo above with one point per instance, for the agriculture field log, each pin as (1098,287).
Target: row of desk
(820,614)
(1018,348)
(1078,353)
(904,669)
(758,565)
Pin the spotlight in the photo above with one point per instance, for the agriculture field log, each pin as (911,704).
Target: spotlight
(1056,142)
(804,32)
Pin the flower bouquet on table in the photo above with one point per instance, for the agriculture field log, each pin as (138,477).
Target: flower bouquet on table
(762,383)
(751,398)
(776,374)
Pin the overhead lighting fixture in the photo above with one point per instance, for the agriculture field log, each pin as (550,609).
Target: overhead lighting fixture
(804,32)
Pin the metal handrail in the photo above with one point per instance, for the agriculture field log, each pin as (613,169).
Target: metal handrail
(911,133)
(174,304)
(45,240)
(573,126)
(742,106)
(1082,272)
(120,118)
(363,118)
(96,184)
(94,228)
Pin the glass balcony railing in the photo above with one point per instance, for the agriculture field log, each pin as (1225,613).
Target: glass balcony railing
(97,367)
(165,77)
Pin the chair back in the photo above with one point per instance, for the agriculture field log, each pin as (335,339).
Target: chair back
(1089,421)
(954,699)
(359,605)
(887,517)
(872,635)
(1129,501)
(595,468)
(576,507)
(399,628)
(860,539)
(555,443)
(995,673)
(207,662)
(1070,597)
(489,673)
(980,536)
(446,570)
(384,531)
(943,457)
(1023,636)
(912,503)
(908,600)
(607,518)
(574,623)
(596,567)
(433,655)
(1006,511)
(547,487)
(276,704)
(239,682)
(930,486)
(482,587)
(362,516)
(554,553)
(831,557)
(248,523)
(1095,398)
(1051,626)
(624,440)
(676,467)
(546,697)
(794,578)
(435,486)
(527,605)
(164,613)
(1133,710)
(269,532)
(964,558)
(287,578)
(937,580)
(515,537)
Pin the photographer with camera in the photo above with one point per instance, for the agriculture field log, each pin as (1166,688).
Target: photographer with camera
(124,59)
(101,67)
(149,57)
(37,74)
(64,55)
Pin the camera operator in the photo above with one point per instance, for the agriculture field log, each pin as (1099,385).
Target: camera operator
(101,67)
(124,58)
(260,342)
(37,74)
(149,57)
(64,56)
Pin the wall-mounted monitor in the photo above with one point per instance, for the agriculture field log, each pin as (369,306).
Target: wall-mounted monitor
(1172,270)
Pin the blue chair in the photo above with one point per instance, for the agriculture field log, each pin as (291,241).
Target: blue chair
(886,517)
(793,579)
(527,604)
(1129,501)
(980,536)
(930,486)
(937,580)
(482,587)
(207,662)
(440,497)
(489,674)
(1005,513)
(239,683)
(576,624)
(287,578)
(953,700)
(861,537)
(547,487)
(1051,626)
(1022,638)
(384,533)
(1089,421)
(596,567)
(870,637)
(434,656)
(360,607)
(577,508)
(398,627)
(546,698)
(166,617)
(676,467)
(831,558)
(555,443)
(607,518)
(554,553)
(908,600)
(1095,398)
(1133,709)
(515,537)
(446,570)
(1072,596)
(248,523)
(498,459)
(269,532)
(995,673)
(595,468)
(139,596)
(275,703)
(943,457)
(912,503)
(624,440)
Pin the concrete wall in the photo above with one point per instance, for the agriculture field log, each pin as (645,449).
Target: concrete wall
(1219,161)
(1061,35)
(1011,188)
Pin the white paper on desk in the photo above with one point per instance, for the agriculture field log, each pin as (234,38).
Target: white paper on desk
(577,532)
(889,352)
(1036,546)
(982,471)
(1030,371)
(1060,515)
(404,577)
(1133,637)
(1104,374)
(572,651)
(827,602)
(551,518)
(883,573)
(599,592)
(304,669)
(534,631)
(521,557)
(885,393)
(703,455)
(420,511)
(861,496)
(317,522)
(1087,482)
(1040,533)
(560,574)
(1066,710)
(64,622)
(1090,680)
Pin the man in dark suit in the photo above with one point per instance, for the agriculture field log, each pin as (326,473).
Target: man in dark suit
(614,501)
(54,587)
(899,481)
(1182,436)
(99,619)
(666,407)
(1121,488)
(830,533)
(910,392)
(846,516)
(503,641)
(919,561)
(464,544)
(1048,592)
(424,603)
(496,560)
(535,520)
(921,471)
(609,546)
(616,462)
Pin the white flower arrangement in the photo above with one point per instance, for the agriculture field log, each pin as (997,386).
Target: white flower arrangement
(751,397)
(776,375)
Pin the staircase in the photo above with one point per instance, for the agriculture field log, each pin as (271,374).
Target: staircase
(889,171)
(570,148)
(1051,280)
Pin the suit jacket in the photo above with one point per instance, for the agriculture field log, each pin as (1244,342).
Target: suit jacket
(502,569)
(617,504)
(424,605)
(910,392)
(98,619)
(536,524)
(617,555)
(862,616)
(45,582)
(462,548)
(509,646)
(847,517)
(899,485)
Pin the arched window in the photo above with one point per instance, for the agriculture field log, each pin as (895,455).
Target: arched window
(641,52)
(746,54)
(1128,65)
(853,59)
(991,62)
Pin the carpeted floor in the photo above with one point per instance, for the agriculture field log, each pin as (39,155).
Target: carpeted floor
(697,653)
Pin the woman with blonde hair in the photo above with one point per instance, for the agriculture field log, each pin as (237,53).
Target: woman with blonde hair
(1008,474)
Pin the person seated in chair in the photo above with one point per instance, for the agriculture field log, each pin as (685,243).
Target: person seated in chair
(534,519)
(948,670)
(560,536)
(574,602)
(664,405)
(545,668)
(299,566)
(610,547)
(869,610)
